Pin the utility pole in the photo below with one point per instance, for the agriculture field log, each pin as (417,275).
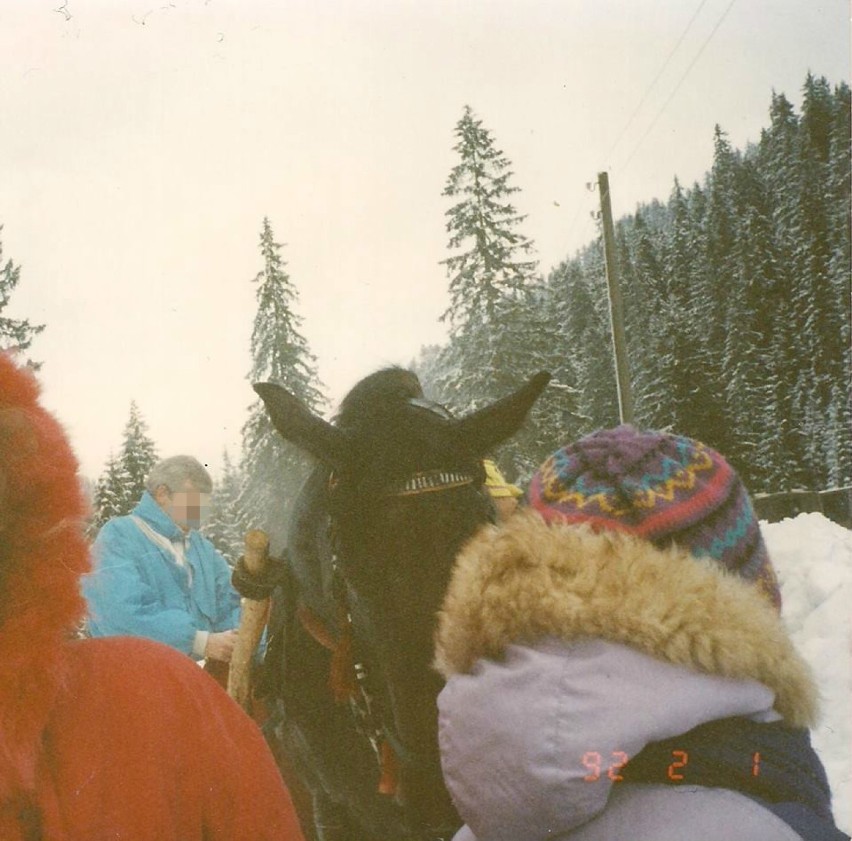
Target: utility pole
(616,308)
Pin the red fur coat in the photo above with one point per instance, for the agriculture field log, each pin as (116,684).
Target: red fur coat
(103,739)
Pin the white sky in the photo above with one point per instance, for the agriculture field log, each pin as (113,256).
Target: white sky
(143,141)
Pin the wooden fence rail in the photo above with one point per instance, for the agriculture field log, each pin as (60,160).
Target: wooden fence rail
(836,504)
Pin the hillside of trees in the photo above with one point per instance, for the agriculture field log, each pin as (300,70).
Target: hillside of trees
(737,308)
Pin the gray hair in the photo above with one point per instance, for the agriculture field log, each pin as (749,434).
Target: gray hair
(176,471)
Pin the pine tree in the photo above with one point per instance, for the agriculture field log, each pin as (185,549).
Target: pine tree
(747,353)
(840,202)
(639,249)
(557,416)
(273,469)
(713,287)
(488,267)
(840,270)
(427,366)
(15,334)
(589,343)
(495,339)
(225,527)
(681,364)
(776,158)
(818,310)
(138,454)
(122,483)
(112,494)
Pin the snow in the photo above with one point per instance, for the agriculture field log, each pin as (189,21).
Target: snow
(813,559)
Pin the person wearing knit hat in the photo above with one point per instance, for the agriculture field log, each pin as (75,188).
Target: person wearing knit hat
(503,493)
(102,739)
(616,664)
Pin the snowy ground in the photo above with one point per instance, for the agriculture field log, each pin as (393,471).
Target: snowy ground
(813,558)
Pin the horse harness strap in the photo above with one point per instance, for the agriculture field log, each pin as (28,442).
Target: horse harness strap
(315,627)
(347,681)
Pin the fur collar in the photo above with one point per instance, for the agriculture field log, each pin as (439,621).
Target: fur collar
(528,580)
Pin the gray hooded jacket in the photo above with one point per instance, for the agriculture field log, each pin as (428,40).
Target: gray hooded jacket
(567,652)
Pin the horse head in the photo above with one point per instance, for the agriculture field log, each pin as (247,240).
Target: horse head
(401,487)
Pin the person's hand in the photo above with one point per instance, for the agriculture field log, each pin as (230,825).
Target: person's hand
(220,646)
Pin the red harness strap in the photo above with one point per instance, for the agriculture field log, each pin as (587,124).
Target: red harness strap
(314,626)
(343,685)
(341,678)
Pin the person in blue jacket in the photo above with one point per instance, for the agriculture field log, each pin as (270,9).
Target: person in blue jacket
(156,576)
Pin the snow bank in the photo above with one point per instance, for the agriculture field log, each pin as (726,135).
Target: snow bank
(813,558)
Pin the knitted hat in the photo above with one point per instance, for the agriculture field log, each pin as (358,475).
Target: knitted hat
(663,488)
(496,483)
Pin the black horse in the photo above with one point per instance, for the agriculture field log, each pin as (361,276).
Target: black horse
(372,540)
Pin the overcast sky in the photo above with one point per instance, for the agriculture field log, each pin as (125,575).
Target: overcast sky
(143,141)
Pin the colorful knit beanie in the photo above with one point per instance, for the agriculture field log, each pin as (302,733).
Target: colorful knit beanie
(663,488)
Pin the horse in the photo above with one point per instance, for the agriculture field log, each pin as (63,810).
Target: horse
(372,538)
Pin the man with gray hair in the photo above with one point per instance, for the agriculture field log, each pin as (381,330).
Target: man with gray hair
(157,576)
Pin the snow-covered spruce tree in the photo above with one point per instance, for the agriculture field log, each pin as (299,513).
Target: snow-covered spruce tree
(15,334)
(122,483)
(825,294)
(713,286)
(273,469)
(681,363)
(225,527)
(495,341)
(816,303)
(840,204)
(557,416)
(112,494)
(138,454)
(590,342)
(569,310)
(776,158)
(427,366)
(639,247)
(747,352)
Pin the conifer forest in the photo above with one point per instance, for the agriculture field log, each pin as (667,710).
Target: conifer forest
(736,297)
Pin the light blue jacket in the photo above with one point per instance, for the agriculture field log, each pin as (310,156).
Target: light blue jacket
(138,589)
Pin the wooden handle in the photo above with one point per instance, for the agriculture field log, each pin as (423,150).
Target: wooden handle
(257,551)
(253,616)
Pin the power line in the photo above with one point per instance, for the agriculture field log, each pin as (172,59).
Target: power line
(678,86)
(656,79)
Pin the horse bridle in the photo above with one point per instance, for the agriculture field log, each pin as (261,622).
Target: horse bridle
(426,481)
(368,720)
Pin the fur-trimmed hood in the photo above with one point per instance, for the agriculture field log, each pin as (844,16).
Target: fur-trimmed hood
(42,555)
(527,580)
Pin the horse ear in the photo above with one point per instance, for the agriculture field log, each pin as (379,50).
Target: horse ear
(297,424)
(481,431)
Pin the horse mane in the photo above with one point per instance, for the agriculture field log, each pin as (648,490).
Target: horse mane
(388,386)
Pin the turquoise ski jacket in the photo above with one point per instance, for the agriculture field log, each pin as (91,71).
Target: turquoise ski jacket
(138,589)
